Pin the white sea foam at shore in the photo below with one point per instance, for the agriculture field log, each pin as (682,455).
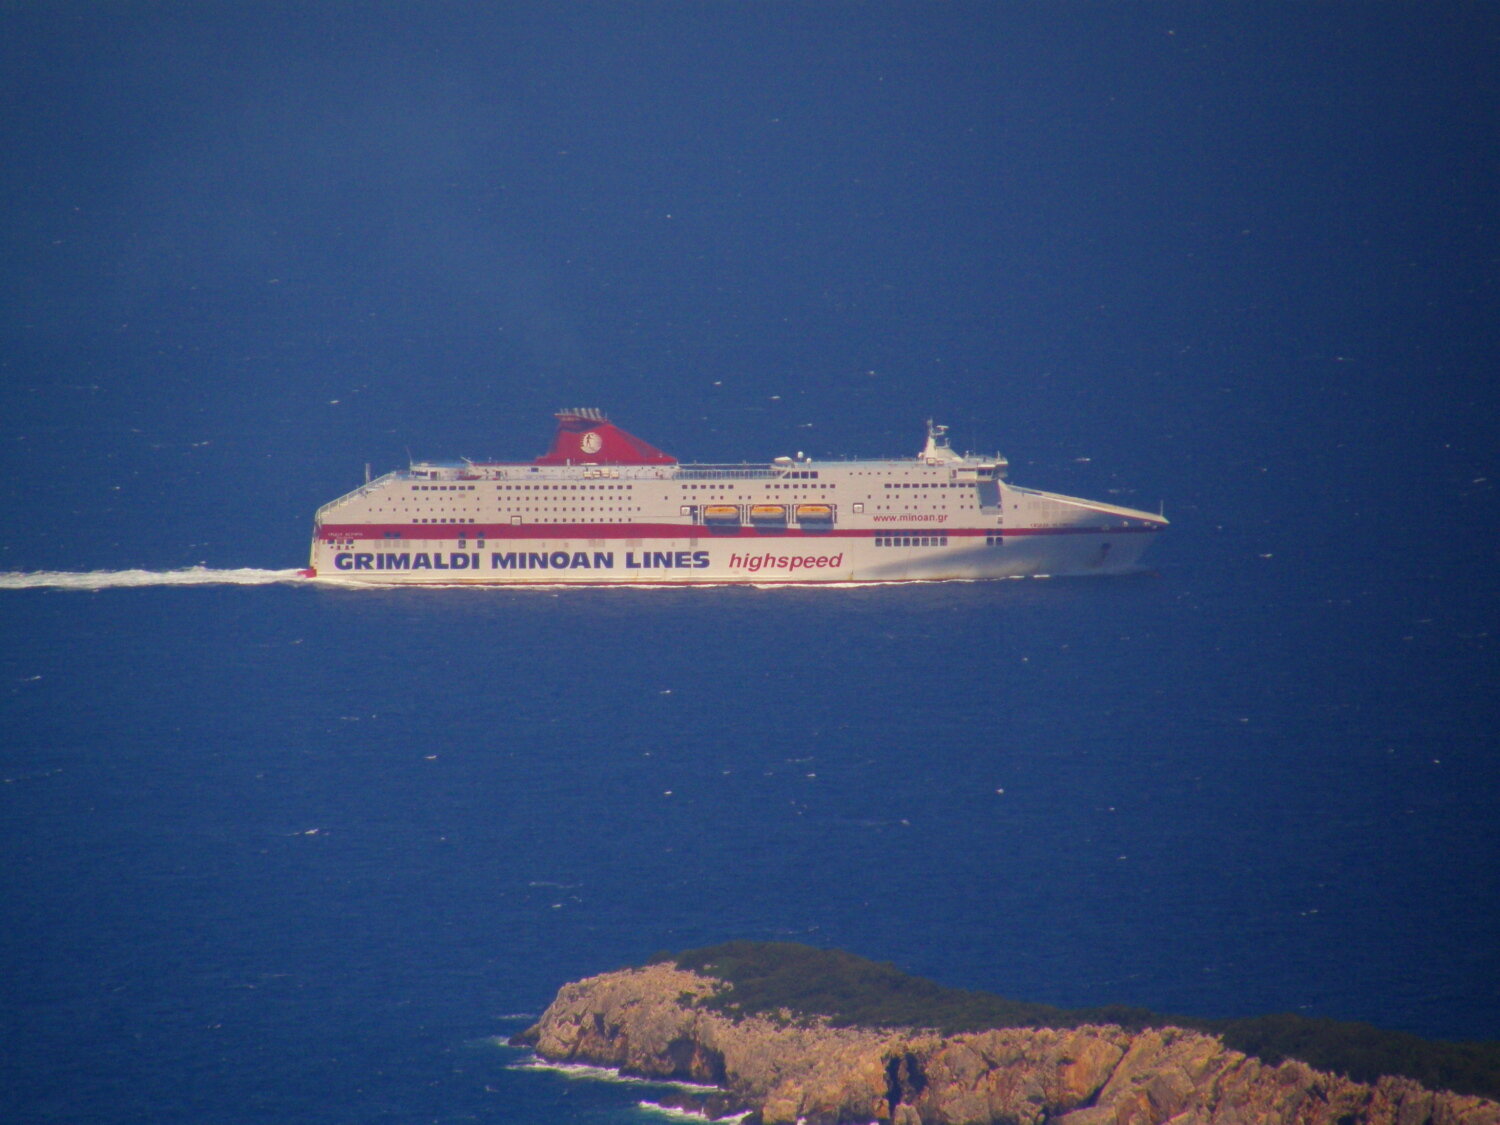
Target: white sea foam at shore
(580,1070)
(607,1074)
(688,1114)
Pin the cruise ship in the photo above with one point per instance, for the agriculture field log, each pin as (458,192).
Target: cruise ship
(603,507)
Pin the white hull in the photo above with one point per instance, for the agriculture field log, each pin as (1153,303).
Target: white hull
(638,518)
(590,562)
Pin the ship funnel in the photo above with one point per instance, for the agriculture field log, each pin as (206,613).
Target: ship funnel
(586,437)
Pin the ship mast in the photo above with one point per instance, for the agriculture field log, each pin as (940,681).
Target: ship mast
(937,450)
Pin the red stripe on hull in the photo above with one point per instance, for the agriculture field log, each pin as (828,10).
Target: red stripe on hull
(397,532)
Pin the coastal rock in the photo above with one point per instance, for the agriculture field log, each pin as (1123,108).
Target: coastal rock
(653,1022)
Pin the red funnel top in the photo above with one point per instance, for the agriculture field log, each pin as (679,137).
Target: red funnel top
(585,436)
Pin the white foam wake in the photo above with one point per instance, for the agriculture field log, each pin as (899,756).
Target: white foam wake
(104,579)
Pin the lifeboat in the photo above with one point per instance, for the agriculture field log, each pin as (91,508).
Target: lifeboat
(768,515)
(721,515)
(815,515)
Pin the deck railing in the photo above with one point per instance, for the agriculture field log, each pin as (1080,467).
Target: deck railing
(360,491)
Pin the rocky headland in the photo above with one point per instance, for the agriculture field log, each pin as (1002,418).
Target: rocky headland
(781,1067)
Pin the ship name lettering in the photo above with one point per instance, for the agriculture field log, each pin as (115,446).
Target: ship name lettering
(405,560)
(555,560)
(664,560)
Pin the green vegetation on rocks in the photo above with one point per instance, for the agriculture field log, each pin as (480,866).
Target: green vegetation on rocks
(767,978)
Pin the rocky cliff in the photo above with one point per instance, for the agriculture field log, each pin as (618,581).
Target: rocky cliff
(652,1022)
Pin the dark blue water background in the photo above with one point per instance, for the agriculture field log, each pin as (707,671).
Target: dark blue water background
(285,854)
(291,854)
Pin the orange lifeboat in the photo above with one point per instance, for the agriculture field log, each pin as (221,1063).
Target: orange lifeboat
(815,515)
(768,515)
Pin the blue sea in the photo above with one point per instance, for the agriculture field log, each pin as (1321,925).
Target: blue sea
(274,851)
(289,853)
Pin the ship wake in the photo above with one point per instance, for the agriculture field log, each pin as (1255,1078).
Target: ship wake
(107,579)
